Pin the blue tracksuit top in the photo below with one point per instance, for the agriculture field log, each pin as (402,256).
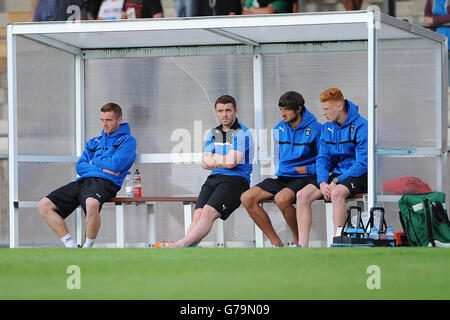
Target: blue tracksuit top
(239,138)
(343,149)
(296,147)
(115,152)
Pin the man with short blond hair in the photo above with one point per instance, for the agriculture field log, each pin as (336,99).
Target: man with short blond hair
(341,164)
(102,168)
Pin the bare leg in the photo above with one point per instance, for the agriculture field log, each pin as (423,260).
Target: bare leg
(338,196)
(250,199)
(201,228)
(283,200)
(92,222)
(195,219)
(48,211)
(305,198)
(197,214)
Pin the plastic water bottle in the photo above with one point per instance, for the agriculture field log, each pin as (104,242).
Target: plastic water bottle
(137,188)
(390,234)
(373,233)
(129,186)
(352,232)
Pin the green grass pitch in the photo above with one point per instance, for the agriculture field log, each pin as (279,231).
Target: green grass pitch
(230,273)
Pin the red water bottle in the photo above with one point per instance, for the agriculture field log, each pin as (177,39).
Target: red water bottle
(137,188)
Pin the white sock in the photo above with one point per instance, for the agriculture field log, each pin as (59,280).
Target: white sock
(68,241)
(89,243)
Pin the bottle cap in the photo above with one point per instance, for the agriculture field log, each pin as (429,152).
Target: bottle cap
(351,230)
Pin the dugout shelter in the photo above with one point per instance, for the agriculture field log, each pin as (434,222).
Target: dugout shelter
(166,75)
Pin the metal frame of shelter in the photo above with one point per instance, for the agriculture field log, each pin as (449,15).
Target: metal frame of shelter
(215,36)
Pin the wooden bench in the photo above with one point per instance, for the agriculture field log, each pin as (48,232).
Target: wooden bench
(119,202)
(188,209)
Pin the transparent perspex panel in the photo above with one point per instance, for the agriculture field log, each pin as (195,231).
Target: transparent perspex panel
(36,180)
(409,84)
(310,73)
(391,168)
(45,99)
(168,101)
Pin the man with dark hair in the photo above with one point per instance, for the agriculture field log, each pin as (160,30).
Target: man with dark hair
(228,153)
(296,144)
(102,168)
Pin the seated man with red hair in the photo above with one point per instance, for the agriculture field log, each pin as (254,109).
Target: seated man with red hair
(341,164)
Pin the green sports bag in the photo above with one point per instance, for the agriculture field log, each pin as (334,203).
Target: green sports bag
(424,218)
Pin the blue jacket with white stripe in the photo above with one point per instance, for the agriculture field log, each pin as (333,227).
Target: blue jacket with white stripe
(296,147)
(115,152)
(237,138)
(343,149)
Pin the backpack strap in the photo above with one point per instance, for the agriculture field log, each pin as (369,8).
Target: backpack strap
(439,215)
(429,222)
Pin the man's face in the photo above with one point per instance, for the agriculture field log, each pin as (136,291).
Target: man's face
(110,122)
(289,115)
(226,114)
(331,110)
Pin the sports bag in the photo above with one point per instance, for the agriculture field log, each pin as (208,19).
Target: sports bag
(424,218)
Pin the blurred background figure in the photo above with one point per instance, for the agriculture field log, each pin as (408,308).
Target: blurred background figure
(136,9)
(352,4)
(186,8)
(92,7)
(219,7)
(267,6)
(110,10)
(436,14)
(60,10)
(294,5)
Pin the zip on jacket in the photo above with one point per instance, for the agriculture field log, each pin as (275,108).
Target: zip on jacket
(343,149)
(296,147)
(115,152)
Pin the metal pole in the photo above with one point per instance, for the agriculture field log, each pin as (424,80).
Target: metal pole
(258,92)
(372,104)
(12,141)
(79,135)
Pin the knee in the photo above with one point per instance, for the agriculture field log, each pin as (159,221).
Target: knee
(303,198)
(247,199)
(283,200)
(44,205)
(92,206)
(337,195)
(209,213)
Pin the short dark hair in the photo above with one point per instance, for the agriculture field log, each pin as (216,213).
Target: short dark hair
(292,100)
(111,106)
(226,99)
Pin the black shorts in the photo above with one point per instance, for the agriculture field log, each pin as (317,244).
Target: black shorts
(354,184)
(223,193)
(274,186)
(74,194)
